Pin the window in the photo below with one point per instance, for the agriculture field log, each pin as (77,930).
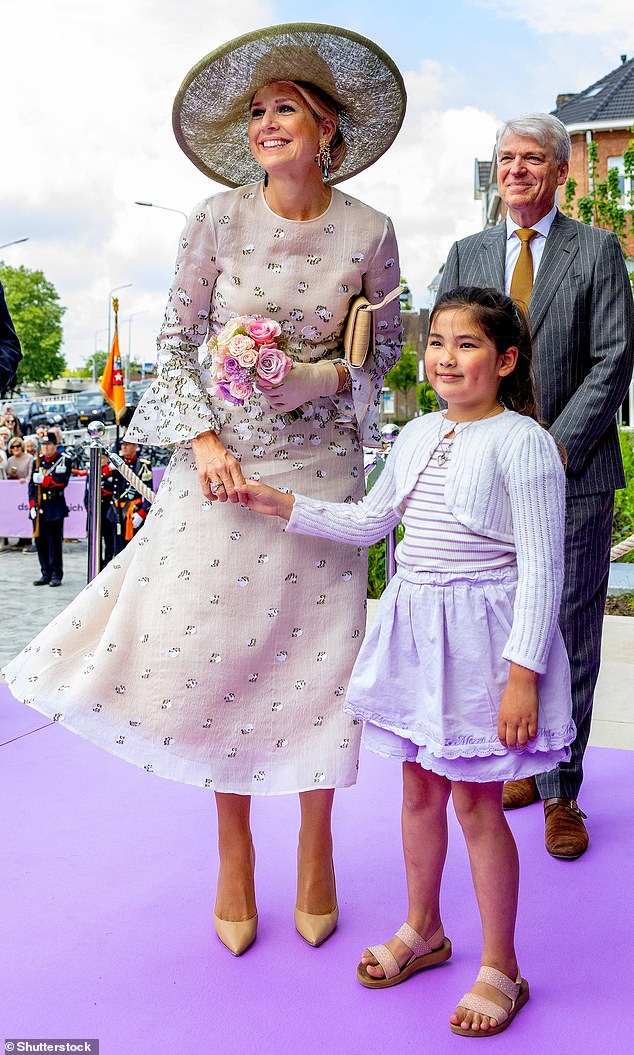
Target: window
(625,183)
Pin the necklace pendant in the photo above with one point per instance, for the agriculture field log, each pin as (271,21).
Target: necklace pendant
(441,457)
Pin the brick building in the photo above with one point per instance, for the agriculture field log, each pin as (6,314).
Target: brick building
(603,113)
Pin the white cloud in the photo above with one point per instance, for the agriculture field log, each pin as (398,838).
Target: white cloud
(609,21)
(425,183)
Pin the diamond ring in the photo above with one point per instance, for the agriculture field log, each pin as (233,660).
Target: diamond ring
(215,487)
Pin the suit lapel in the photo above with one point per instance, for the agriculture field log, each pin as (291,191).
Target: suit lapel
(493,256)
(562,245)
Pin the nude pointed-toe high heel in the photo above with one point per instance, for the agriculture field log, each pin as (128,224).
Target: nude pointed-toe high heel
(316,929)
(236,935)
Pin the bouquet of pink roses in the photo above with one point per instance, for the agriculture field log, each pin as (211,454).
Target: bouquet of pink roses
(247,356)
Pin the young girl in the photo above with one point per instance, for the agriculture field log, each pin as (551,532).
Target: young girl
(463,675)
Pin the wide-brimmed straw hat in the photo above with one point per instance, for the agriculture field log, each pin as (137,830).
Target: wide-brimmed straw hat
(211,109)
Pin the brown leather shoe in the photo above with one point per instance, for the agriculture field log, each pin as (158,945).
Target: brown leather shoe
(518,793)
(566,835)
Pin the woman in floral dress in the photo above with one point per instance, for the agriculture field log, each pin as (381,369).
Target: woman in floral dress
(216,649)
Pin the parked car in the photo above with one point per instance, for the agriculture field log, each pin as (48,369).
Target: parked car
(66,415)
(135,389)
(93,406)
(30,414)
(133,393)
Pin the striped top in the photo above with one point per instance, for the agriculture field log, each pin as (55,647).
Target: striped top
(434,540)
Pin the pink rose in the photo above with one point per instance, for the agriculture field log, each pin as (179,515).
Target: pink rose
(248,359)
(263,331)
(272,366)
(240,389)
(241,343)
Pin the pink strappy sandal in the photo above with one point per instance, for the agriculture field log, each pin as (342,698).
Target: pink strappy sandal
(424,954)
(516,991)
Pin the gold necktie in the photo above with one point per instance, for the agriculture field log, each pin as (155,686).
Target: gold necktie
(522,279)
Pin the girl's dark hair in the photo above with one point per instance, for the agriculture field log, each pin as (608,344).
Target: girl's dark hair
(507,326)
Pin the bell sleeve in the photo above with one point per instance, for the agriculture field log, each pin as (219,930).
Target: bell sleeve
(177,407)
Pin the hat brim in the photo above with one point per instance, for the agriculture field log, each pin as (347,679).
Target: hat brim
(210,113)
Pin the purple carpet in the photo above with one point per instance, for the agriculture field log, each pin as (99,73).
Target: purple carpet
(107,892)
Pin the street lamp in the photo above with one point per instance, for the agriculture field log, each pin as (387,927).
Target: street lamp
(125,286)
(129,322)
(94,358)
(151,205)
(17,241)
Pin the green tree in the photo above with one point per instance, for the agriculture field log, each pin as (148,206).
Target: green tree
(403,376)
(94,366)
(37,314)
(426,397)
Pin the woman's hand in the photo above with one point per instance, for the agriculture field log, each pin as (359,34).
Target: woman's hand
(267,500)
(304,382)
(517,718)
(219,473)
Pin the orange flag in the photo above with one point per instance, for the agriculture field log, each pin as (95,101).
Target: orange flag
(112,379)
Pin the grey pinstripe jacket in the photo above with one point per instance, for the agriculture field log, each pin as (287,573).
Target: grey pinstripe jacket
(582,319)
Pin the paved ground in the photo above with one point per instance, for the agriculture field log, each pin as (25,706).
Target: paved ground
(27,609)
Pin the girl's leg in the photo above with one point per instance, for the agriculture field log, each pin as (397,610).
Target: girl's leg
(495,872)
(316,893)
(235,897)
(424,827)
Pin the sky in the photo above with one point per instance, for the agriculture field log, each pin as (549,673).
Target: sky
(87,90)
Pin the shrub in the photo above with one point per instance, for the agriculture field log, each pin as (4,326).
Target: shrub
(623,521)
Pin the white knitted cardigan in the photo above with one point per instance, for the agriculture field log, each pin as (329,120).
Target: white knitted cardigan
(505,480)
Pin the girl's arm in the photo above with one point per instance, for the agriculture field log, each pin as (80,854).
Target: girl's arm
(535,483)
(357,523)
(264,499)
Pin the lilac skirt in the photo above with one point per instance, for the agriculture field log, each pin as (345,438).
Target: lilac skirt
(429,679)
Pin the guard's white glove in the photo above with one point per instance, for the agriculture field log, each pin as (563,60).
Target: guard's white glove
(33,513)
(137,520)
(304,382)
(37,477)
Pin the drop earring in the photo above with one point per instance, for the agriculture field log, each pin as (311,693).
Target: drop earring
(266,179)
(323,158)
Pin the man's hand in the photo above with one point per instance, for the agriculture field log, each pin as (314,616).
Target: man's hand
(219,473)
(517,717)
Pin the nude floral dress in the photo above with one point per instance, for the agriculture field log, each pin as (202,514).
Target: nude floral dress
(216,649)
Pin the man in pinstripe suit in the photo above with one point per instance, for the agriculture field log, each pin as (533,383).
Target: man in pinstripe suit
(581,314)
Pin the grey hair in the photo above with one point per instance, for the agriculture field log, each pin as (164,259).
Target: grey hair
(546,129)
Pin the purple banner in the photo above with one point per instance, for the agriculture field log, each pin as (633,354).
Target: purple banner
(14,507)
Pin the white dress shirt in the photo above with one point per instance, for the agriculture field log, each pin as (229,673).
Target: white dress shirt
(536,244)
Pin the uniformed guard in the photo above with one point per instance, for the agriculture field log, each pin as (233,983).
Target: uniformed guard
(48,509)
(129,509)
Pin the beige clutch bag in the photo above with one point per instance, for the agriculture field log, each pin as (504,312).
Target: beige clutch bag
(359,330)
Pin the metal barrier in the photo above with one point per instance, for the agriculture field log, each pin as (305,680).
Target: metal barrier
(97,430)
